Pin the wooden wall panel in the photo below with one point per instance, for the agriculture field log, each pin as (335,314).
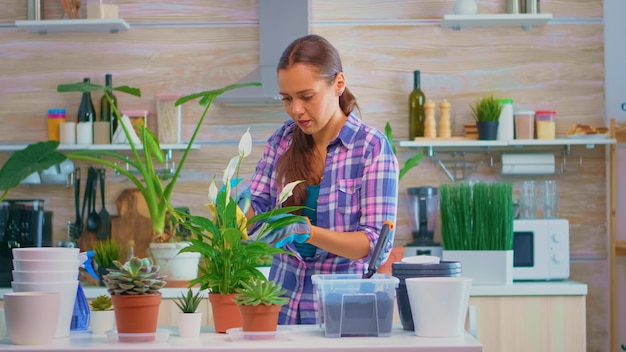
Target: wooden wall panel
(202,44)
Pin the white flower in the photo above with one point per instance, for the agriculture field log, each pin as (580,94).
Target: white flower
(245,144)
(287,191)
(230,170)
(212,192)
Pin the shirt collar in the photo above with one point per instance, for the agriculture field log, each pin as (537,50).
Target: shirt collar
(348,132)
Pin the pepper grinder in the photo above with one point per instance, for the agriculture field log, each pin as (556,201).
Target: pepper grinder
(444,120)
(430,128)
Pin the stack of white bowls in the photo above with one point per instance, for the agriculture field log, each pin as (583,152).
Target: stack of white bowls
(49,269)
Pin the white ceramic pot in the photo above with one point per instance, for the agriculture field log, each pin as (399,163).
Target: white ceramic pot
(31,317)
(102,321)
(438,305)
(67,292)
(189,324)
(45,265)
(465,7)
(45,253)
(175,266)
(45,276)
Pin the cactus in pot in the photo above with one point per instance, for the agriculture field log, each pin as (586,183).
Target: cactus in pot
(134,288)
(259,303)
(102,315)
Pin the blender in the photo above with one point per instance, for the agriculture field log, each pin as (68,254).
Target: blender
(423,209)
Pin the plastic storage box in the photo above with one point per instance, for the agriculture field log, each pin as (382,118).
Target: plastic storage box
(351,306)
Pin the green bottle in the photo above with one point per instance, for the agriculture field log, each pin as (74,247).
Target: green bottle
(416,108)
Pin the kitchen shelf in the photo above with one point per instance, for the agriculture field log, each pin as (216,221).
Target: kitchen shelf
(431,143)
(97,147)
(74,25)
(525,21)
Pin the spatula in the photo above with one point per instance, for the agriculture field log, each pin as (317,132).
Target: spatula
(104,230)
(378,249)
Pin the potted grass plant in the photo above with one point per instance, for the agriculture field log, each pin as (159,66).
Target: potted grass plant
(259,302)
(189,318)
(477,230)
(135,292)
(105,252)
(486,111)
(102,315)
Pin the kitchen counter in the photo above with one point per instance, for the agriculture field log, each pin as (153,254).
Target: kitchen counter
(304,338)
(525,288)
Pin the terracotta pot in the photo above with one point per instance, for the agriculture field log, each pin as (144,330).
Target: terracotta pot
(136,314)
(225,312)
(259,318)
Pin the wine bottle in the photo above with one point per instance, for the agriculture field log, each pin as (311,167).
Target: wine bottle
(106,108)
(86,112)
(416,108)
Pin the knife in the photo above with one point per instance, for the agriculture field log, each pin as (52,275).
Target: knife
(378,249)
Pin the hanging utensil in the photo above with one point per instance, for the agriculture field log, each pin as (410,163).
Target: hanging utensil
(93,220)
(378,250)
(85,203)
(104,230)
(77,227)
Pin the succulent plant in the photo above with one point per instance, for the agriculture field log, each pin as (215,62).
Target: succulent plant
(258,291)
(102,302)
(189,302)
(138,276)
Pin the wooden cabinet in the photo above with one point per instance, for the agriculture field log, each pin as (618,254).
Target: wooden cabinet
(529,323)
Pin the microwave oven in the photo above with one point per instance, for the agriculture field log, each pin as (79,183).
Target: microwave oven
(541,249)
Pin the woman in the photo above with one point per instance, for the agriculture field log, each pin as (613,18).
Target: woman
(350,170)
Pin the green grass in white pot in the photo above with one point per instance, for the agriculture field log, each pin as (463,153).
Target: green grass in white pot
(477,216)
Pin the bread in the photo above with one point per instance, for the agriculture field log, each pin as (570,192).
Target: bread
(582,130)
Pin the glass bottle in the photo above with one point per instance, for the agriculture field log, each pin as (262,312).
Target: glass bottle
(106,108)
(86,112)
(416,108)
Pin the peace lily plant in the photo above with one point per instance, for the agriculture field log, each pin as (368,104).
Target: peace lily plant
(156,189)
(229,256)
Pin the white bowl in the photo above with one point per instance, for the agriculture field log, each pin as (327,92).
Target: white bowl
(45,276)
(67,292)
(46,253)
(45,265)
(421,259)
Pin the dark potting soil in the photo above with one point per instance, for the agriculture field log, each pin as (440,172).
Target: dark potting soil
(368,314)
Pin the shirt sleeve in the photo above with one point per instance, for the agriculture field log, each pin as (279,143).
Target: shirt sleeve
(379,195)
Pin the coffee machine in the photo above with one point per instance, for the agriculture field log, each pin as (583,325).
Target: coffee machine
(423,210)
(23,223)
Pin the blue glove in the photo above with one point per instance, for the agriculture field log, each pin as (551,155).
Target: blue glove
(298,232)
(240,192)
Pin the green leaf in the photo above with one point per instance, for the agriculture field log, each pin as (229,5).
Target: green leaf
(129,90)
(389,136)
(409,164)
(208,95)
(34,158)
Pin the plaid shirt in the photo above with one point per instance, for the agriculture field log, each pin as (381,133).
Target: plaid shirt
(358,192)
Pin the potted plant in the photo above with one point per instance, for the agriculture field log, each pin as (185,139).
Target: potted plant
(156,189)
(486,112)
(259,303)
(229,257)
(477,230)
(102,315)
(105,252)
(135,292)
(189,319)
(178,267)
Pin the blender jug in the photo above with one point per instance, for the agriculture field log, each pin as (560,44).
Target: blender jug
(423,209)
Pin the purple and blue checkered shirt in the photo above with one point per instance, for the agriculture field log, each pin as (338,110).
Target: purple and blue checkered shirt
(358,192)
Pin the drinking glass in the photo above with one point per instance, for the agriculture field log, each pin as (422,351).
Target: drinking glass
(550,199)
(527,200)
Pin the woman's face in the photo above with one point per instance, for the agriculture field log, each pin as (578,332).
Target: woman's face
(309,100)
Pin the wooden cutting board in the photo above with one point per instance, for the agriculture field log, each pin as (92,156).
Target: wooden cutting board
(132,222)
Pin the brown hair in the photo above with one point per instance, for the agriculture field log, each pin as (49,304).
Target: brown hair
(295,164)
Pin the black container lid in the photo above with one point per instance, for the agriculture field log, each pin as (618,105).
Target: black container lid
(422,191)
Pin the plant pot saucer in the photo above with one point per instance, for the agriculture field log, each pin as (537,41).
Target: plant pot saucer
(161,335)
(282,333)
